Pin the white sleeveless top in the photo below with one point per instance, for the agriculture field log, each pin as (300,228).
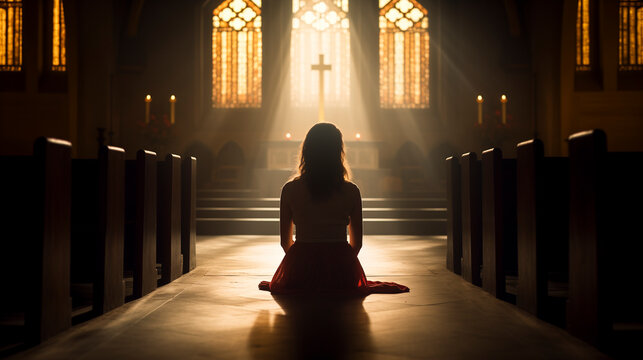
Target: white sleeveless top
(320,221)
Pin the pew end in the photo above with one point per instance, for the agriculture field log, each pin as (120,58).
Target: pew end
(454,216)
(606,200)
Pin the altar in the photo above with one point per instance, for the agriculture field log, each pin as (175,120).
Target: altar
(284,155)
(282,160)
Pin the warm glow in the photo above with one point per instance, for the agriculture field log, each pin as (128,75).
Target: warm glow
(479,99)
(236,54)
(288,136)
(11,35)
(148,98)
(582,36)
(172,98)
(320,27)
(404,54)
(59,48)
(503,99)
(358,136)
(630,55)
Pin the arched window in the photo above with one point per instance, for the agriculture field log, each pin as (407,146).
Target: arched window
(10,35)
(583,28)
(320,27)
(58,38)
(236,54)
(404,54)
(630,55)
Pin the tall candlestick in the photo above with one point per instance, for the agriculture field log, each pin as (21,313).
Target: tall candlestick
(148,100)
(503,101)
(172,105)
(480,100)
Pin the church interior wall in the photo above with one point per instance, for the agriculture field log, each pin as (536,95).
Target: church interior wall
(606,105)
(120,51)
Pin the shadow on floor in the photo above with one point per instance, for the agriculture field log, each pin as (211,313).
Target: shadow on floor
(312,327)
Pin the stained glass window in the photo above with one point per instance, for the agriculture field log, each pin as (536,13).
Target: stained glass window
(404,54)
(10,35)
(236,54)
(582,36)
(59,53)
(630,55)
(320,27)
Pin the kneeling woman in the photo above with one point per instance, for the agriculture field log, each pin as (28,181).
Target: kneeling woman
(322,202)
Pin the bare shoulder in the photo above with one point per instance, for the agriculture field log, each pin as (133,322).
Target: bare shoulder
(352,189)
(289,187)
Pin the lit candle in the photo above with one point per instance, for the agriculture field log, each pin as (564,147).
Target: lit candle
(172,108)
(358,136)
(288,136)
(503,101)
(480,100)
(148,100)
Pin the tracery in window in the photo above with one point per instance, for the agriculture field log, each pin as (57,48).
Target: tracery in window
(236,54)
(583,29)
(320,27)
(10,35)
(630,55)
(404,54)
(59,48)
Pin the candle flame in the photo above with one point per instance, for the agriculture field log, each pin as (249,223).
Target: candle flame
(172,98)
(148,98)
(479,98)
(503,98)
(358,136)
(288,136)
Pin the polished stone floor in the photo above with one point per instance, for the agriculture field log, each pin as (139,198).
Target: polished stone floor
(217,312)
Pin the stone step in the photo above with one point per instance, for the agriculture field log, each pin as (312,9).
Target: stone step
(227,193)
(243,202)
(270,226)
(273,212)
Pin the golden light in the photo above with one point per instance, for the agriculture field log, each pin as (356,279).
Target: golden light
(479,99)
(503,99)
(172,98)
(358,136)
(404,54)
(288,136)
(148,98)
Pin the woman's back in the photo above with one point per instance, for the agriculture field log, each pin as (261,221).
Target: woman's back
(320,220)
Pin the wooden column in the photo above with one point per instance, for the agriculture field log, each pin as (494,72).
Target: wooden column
(471,219)
(454,216)
(188,213)
(169,218)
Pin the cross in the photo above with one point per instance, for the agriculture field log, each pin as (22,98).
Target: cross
(321,67)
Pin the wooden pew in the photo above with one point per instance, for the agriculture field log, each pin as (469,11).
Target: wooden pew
(35,242)
(606,191)
(188,213)
(454,216)
(140,223)
(542,234)
(499,248)
(169,218)
(97,232)
(471,218)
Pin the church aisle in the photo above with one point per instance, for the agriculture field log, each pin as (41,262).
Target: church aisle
(217,312)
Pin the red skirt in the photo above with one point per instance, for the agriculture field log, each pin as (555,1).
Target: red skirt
(329,267)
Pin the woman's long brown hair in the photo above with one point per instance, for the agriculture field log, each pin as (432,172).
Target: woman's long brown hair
(322,166)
